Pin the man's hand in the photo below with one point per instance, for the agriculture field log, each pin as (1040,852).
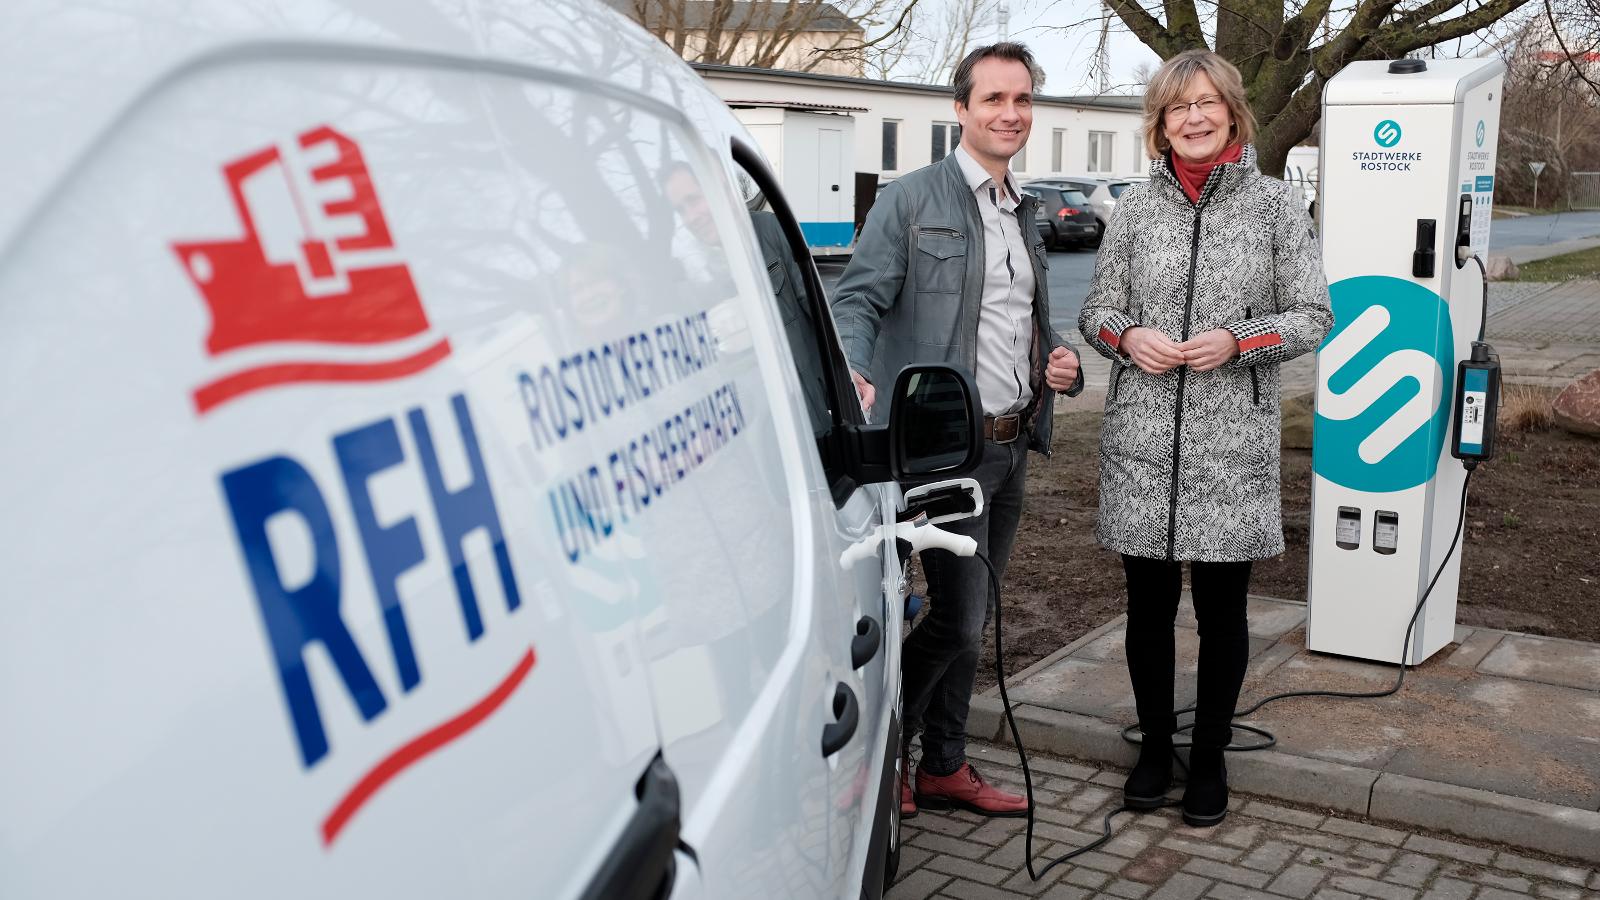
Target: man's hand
(1061,371)
(1151,350)
(1210,349)
(864,390)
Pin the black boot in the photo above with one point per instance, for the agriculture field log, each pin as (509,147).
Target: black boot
(1153,587)
(1220,606)
(1151,778)
(1205,799)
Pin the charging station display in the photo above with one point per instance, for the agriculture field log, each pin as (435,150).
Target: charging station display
(1406,196)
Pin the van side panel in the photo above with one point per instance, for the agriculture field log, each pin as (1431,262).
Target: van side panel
(334,556)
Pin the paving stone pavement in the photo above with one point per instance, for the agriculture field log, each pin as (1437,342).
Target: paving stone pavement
(1263,850)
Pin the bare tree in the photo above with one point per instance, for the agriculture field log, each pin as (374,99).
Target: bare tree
(802,35)
(937,34)
(1551,112)
(1288,50)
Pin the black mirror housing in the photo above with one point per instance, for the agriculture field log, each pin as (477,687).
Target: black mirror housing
(935,430)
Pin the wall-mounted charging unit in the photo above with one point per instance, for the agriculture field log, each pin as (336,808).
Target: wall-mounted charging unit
(1416,140)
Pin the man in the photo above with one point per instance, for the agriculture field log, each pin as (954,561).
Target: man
(949,268)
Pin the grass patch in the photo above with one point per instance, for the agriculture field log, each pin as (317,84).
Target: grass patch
(1526,407)
(1583,264)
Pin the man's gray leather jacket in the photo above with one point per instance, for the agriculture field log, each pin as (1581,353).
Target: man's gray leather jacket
(912,290)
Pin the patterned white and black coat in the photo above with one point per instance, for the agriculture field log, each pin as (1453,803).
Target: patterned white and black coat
(1189,461)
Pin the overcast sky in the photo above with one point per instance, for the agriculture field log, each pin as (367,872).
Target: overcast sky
(1065,46)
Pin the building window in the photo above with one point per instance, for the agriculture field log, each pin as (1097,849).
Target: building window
(946,135)
(1058,151)
(891,145)
(1100,144)
(1019,163)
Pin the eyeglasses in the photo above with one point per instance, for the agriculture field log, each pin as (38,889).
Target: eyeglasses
(1208,104)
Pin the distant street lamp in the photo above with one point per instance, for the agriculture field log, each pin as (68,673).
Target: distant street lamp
(1537,167)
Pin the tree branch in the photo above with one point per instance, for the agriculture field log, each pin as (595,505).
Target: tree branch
(1568,53)
(1149,30)
(1398,39)
(1183,20)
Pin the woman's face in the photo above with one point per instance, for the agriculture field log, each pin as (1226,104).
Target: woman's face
(1198,124)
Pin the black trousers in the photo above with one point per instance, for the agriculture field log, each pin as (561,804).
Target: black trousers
(1219,589)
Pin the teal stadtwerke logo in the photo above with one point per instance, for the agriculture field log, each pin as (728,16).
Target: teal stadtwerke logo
(1481,132)
(1383,371)
(1387,134)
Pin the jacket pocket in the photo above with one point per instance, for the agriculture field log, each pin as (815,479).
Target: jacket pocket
(940,264)
(1042,255)
(1116,380)
(777,277)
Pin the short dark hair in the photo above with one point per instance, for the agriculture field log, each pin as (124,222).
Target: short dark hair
(1004,50)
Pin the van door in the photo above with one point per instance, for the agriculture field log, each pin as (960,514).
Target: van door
(716,520)
(860,603)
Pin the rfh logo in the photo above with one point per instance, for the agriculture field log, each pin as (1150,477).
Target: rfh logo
(313,289)
(1384,371)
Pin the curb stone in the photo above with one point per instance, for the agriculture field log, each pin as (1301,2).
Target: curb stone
(1379,796)
(1473,813)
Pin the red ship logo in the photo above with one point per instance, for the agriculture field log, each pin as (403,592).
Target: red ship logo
(316,265)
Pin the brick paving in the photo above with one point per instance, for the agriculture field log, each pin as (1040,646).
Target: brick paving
(1262,850)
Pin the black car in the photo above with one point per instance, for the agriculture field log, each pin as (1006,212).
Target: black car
(1064,217)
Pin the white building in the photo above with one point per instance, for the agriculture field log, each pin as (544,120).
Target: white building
(907,126)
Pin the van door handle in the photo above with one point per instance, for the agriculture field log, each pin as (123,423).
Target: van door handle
(640,866)
(848,713)
(864,646)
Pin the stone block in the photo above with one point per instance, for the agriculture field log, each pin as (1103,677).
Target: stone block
(1577,407)
(1547,660)
(1472,813)
(1322,783)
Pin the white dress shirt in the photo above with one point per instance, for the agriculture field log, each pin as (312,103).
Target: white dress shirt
(1005,315)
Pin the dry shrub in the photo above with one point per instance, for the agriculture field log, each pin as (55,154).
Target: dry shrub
(1526,407)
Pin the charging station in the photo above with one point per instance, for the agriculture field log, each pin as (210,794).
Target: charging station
(1406,192)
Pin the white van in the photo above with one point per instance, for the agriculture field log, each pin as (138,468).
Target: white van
(421,481)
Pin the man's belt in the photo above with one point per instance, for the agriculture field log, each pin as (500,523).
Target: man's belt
(1002,429)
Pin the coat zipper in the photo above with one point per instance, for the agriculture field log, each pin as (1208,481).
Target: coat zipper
(1255,376)
(1183,377)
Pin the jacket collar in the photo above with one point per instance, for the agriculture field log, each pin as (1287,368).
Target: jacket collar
(1224,178)
(957,174)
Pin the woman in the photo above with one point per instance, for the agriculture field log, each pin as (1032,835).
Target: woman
(1208,279)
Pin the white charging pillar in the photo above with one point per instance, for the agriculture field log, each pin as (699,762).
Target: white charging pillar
(1407,173)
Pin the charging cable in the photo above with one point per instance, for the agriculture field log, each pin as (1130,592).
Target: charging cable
(1269,738)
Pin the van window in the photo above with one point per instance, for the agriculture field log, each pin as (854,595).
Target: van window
(808,325)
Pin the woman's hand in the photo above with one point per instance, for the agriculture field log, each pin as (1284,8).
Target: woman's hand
(1151,350)
(1208,350)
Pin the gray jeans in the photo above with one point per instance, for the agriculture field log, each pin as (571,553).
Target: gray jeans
(940,659)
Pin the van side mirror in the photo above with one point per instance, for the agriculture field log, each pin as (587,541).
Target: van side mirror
(934,430)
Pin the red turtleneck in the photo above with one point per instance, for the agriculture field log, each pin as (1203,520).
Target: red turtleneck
(1193,175)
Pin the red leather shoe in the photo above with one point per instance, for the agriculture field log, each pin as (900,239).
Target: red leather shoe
(966,789)
(908,800)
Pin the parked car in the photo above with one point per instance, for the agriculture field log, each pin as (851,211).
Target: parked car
(429,479)
(1064,217)
(1101,193)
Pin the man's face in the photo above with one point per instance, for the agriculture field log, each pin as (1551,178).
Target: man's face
(690,201)
(998,115)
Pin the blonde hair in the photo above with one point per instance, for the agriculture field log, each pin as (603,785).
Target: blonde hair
(1167,87)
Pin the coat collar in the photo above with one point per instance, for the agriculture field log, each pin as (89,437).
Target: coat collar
(1224,178)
